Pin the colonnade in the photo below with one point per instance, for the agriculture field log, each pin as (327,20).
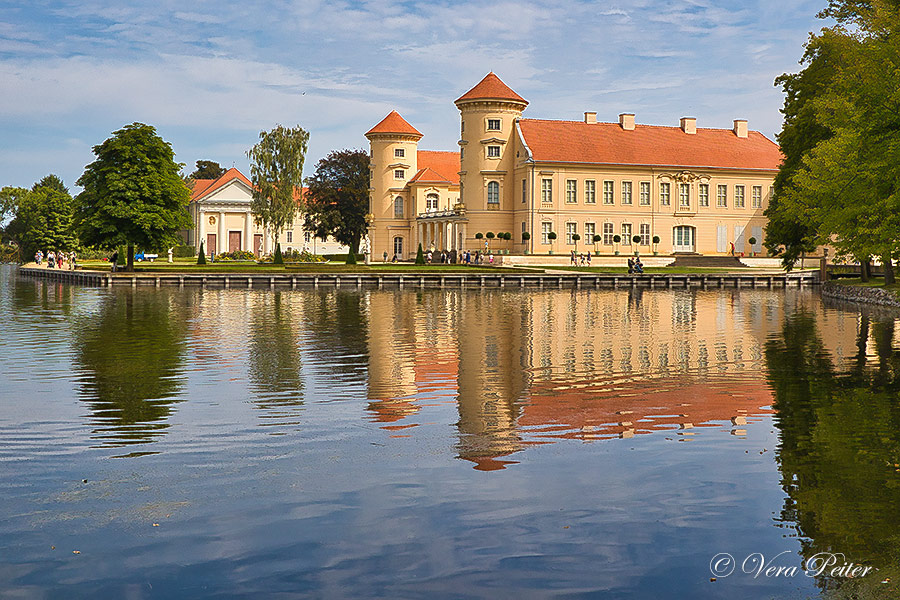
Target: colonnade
(444,235)
(247,231)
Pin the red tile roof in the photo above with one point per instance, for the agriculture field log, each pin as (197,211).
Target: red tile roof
(437,167)
(491,88)
(204,187)
(394,123)
(650,145)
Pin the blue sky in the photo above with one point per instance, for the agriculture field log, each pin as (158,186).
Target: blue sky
(211,75)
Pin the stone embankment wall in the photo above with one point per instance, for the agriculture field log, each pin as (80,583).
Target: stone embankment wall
(865,295)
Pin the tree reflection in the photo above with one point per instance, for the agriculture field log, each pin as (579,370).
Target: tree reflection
(338,324)
(275,366)
(840,448)
(131,352)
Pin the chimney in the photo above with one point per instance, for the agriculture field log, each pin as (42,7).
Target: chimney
(590,118)
(740,128)
(626,120)
(689,125)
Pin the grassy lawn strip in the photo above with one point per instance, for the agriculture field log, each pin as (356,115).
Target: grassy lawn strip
(250,267)
(661,270)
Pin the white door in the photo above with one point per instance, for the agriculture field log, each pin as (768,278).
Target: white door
(722,238)
(683,239)
(738,239)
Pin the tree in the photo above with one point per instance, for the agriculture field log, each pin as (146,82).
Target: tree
(43,217)
(337,198)
(551,236)
(420,256)
(133,194)
(575,238)
(201,256)
(276,171)
(207,169)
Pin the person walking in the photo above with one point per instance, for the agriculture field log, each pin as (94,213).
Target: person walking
(574,261)
(114,261)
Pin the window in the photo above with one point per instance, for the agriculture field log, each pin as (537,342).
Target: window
(608,234)
(756,197)
(399,174)
(590,192)
(626,192)
(398,247)
(307,237)
(608,192)
(722,196)
(626,234)
(684,195)
(590,230)
(645,234)
(399,153)
(493,124)
(546,190)
(493,151)
(493,193)
(704,194)
(398,207)
(571,190)
(739,196)
(290,237)
(431,202)
(546,228)
(571,230)
(665,193)
(645,193)
(524,191)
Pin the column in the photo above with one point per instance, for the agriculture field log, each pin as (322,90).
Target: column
(220,238)
(247,242)
(420,234)
(452,226)
(201,230)
(464,237)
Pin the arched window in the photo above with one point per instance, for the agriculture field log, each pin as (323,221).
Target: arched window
(398,207)
(431,202)
(493,192)
(398,248)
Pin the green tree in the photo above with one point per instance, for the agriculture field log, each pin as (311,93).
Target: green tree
(337,198)
(133,194)
(201,256)
(207,169)
(276,171)
(43,217)
(420,256)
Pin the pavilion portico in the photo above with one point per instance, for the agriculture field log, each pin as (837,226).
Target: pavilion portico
(441,230)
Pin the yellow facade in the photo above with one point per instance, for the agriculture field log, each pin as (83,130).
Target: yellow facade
(521,175)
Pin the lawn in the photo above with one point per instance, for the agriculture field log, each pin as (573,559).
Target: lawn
(190,266)
(661,270)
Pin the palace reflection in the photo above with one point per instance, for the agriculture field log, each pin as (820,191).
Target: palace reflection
(530,368)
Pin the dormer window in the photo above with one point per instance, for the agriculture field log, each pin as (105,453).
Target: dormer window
(399,174)
(493,151)
(399,153)
(493,124)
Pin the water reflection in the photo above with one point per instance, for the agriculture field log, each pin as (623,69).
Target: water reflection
(130,354)
(273,361)
(839,452)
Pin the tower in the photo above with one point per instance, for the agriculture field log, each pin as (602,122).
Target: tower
(393,147)
(488,114)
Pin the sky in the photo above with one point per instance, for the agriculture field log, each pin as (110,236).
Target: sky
(210,76)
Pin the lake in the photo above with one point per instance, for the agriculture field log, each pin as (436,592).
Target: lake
(200,443)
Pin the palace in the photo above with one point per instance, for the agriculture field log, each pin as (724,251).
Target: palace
(615,186)
(220,210)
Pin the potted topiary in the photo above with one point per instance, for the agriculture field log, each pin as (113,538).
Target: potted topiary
(489,235)
(420,255)
(575,238)
(655,245)
(637,241)
(616,239)
(752,243)
(525,237)
(508,237)
(551,236)
(597,239)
